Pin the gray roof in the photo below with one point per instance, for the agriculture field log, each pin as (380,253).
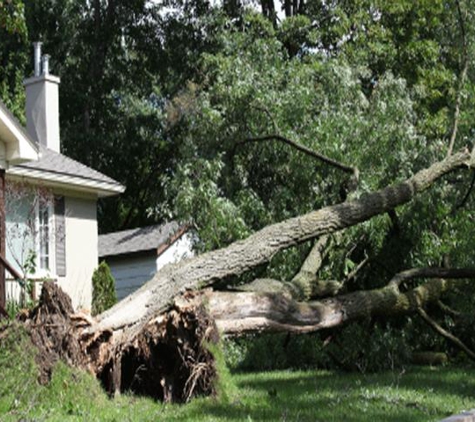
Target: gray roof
(138,240)
(54,162)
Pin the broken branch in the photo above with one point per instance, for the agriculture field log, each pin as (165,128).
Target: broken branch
(302,148)
(431,272)
(444,333)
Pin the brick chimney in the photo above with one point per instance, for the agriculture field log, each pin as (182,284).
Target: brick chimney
(42,103)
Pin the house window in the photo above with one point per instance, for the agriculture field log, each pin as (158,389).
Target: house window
(43,237)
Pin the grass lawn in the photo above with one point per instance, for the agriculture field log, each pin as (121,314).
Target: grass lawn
(418,394)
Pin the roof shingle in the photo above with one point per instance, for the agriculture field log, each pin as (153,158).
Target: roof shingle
(137,240)
(54,162)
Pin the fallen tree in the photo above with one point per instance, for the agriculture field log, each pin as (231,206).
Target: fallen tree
(155,341)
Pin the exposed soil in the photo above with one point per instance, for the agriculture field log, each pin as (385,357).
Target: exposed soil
(169,360)
(52,332)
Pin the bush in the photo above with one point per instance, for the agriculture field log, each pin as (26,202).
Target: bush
(366,347)
(274,351)
(103,289)
(361,346)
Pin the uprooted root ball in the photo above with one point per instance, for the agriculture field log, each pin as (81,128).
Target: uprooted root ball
(168,359)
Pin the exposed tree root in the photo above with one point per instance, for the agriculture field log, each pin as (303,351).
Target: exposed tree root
(52,332)
(168,360)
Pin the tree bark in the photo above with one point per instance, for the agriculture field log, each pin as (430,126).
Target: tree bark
(306,281)
(155,341)
(204,270)
(247,312)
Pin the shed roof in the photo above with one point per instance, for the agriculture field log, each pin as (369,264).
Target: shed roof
(140,239)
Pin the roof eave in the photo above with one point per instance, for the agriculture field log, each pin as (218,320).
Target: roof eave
(100,188)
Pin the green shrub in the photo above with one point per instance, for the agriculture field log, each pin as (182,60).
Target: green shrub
(274,351)
(103,289)
(367,347)
(362,346)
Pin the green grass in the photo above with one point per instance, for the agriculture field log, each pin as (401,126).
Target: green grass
(419,394)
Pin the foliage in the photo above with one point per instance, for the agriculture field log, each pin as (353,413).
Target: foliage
(103,289)
(377,348)
(255,89)
(363,104)
(117,63)
(275,351)
(13,55)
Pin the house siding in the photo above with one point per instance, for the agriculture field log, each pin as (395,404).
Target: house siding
(180,249)
(81,250)
(131,272)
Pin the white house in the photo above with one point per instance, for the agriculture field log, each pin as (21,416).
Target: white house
(134,256)
(50,198)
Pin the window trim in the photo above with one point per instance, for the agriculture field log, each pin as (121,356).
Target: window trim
(51,270)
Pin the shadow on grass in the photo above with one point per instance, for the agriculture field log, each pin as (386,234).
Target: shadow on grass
(443,380)
(420,394)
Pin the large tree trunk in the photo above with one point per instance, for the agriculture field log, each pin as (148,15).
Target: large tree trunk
(156,341)
(242,256)
(248,312)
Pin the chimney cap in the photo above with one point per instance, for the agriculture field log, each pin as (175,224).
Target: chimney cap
(45,64)
(37,57)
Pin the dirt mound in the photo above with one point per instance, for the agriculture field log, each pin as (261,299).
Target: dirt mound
(52,332)
(168,360)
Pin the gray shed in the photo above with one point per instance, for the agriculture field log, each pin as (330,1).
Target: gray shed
(135,255)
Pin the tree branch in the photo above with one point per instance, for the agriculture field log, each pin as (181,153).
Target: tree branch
(448,310)
(306,281)
(356,270)
(462,78)
(238,313)
(431,272)
(466,196)
(444,333)
(310,152)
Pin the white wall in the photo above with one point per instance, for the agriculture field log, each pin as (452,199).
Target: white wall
(181,249)
(81,250)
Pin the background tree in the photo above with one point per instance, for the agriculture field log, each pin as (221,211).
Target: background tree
(13,56)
